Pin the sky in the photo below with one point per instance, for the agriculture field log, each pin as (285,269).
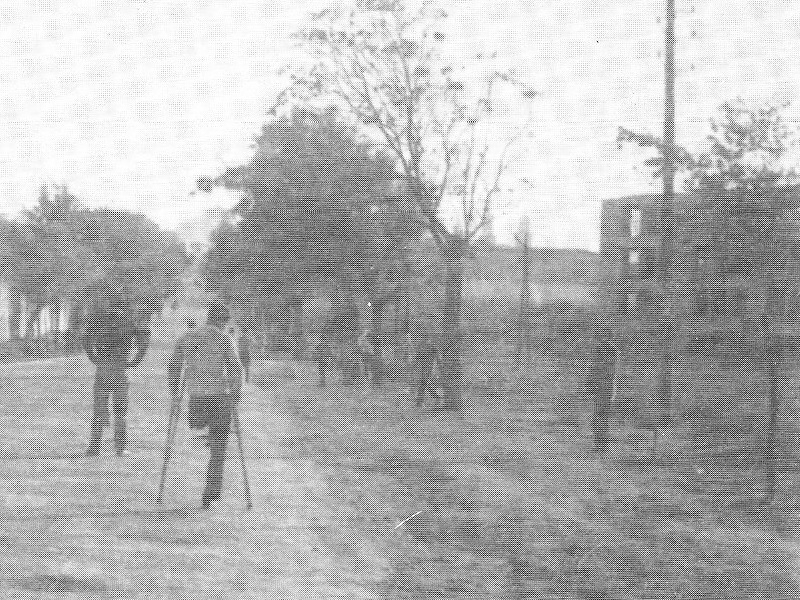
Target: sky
(129,102)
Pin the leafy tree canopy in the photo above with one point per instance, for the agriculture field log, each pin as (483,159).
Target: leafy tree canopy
(61,249)
(319,204)
(385,64)
(745,189)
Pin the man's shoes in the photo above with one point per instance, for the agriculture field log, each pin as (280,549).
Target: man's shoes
(123,452)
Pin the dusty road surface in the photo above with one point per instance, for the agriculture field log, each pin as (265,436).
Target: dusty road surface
(74,527)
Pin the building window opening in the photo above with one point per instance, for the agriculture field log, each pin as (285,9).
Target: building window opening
(636,222)
(647,268)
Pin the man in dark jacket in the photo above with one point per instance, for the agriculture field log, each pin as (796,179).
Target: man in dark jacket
(600,387)
(108,339)
(427,360)
(206,358)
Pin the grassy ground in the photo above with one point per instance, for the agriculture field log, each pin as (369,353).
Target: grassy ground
(359,495)
(506,500)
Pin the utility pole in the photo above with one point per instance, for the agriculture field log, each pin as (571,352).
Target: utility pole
(668,221)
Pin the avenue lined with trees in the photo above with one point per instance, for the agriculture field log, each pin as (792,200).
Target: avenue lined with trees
(62,251)
(480,435)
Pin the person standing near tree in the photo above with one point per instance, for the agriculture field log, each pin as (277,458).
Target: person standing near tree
(600,387)
(366,351)
(427,359)
(323,353)
(207,360)
(108,339)
(347,322)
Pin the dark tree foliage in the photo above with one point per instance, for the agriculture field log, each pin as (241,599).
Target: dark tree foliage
(320,205)
(132,252)
(63,250)
(445,122)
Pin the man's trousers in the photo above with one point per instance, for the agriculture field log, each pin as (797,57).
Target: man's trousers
(110,384)
(218,413)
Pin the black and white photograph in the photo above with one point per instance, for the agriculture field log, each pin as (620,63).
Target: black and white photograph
(400,299)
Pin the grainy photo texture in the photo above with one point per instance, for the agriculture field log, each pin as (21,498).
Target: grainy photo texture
(400,299)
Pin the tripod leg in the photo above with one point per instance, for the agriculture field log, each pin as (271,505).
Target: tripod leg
(238,430)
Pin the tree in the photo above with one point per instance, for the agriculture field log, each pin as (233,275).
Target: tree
(53,208)
(746,172)
(748,191)
(61,250)
(48,261)
(385,64)
(131,252)
(320,205)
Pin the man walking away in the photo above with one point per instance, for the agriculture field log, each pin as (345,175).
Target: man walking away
(108,340)
(213,377)
(601,387)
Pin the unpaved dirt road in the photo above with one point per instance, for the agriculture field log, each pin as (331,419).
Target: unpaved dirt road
(88,528)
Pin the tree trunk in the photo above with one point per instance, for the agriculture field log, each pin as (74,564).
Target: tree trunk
(378,307)
(451,352)
(407,314)
(296,337)
(15,314)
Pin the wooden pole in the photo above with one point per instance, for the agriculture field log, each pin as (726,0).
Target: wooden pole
(667,223)
(525,296)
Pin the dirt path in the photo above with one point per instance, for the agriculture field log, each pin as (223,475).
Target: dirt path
(83,528)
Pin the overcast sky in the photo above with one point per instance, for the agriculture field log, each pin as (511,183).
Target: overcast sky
(128,102)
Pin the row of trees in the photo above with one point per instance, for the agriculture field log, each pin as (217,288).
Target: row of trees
(380,141)
(320,205)
(63,250)
(408,143)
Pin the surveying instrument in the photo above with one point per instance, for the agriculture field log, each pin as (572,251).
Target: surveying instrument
(172,429)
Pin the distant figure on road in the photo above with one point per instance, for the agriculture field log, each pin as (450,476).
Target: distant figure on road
(600,387)
(347,324)
(206,358)
(427,361)
(366,351)
(323,354)
(108,339)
